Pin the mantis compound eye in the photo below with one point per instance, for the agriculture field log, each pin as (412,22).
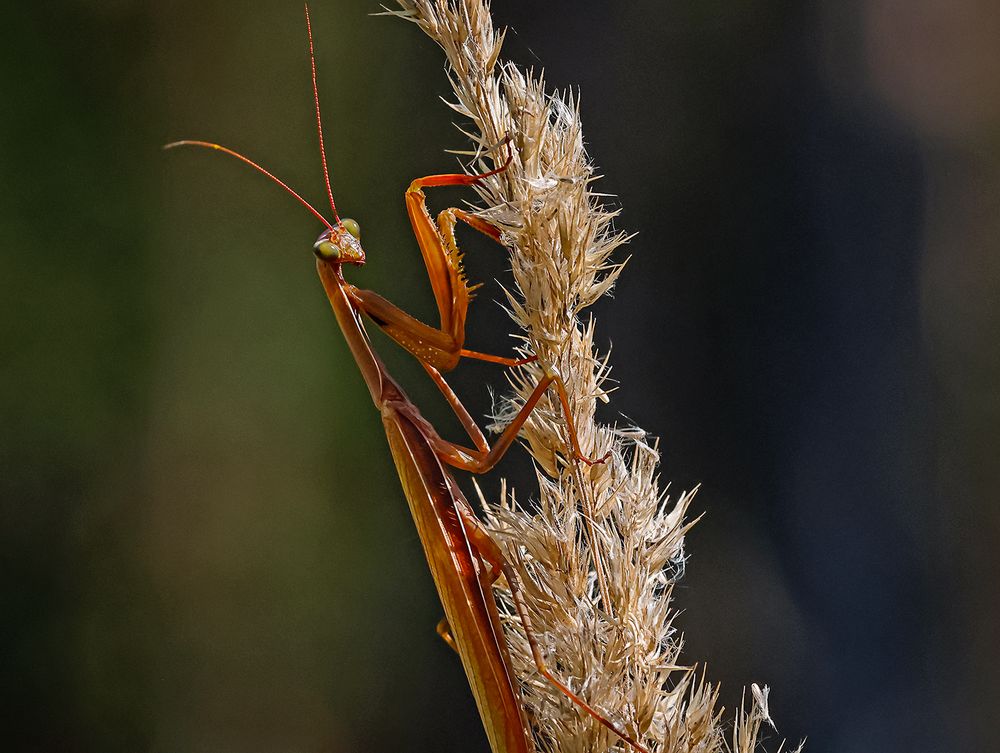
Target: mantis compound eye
(352,227)
(326,250)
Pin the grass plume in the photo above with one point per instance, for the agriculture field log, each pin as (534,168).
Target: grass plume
(600,554)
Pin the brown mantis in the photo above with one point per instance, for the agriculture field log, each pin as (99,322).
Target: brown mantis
(464,560)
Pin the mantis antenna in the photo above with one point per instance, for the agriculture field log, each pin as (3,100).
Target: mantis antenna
(255,166)
(319,118)
(272,176)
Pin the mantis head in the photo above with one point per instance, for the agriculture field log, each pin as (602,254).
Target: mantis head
(341,244)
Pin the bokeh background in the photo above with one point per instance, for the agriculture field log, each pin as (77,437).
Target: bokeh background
(203,545)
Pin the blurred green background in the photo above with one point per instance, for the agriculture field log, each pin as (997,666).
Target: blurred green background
(203,544)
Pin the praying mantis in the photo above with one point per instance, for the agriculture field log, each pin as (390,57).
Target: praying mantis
(464,560)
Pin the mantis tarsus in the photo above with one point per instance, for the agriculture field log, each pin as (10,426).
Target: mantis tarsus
(464,560)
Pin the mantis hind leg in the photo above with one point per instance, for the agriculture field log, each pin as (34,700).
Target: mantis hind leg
(488,551)
(443,629)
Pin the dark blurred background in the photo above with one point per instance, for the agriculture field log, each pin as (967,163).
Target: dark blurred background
(203,544)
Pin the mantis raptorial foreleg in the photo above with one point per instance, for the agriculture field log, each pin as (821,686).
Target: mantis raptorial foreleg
(442,347)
